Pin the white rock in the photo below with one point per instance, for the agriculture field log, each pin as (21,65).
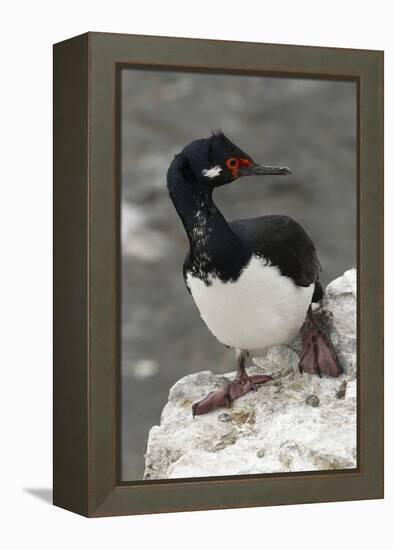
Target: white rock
(273,429)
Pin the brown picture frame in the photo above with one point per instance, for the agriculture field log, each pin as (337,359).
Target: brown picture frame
(86,274)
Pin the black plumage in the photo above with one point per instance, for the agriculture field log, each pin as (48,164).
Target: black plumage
(223,251)
(285,244)
(279,239)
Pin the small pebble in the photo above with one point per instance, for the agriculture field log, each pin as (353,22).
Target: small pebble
(261,453)
(224,417)
(342,389)
(313,401)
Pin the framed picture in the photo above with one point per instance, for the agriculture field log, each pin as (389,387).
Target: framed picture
(218,338)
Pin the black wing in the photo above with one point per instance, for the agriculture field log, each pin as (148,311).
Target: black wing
(285,244)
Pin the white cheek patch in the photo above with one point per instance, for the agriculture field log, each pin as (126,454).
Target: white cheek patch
(212,172)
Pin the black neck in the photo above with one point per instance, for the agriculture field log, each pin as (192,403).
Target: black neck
(194,204)
(213,245)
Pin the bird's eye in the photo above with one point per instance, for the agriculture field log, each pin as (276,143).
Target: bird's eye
(232,163)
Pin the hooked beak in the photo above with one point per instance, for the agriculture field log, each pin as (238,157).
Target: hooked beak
(257,170)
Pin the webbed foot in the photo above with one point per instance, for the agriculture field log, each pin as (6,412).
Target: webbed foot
(318,354)
(231,391)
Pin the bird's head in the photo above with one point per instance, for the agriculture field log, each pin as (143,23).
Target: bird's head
(216,161)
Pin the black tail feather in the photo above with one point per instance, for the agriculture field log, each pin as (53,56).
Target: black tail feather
(318,292)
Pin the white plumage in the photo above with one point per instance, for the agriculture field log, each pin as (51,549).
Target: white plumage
(260,309)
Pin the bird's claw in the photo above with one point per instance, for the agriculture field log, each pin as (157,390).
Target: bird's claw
(318,353)
(225,396)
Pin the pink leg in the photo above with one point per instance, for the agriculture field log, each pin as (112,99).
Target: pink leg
(318,354)
(223,397)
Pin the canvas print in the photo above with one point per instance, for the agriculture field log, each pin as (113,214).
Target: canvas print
(238,274)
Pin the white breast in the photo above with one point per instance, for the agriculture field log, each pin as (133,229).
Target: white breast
(261,309)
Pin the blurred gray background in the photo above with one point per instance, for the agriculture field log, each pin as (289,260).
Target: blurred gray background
(308,125)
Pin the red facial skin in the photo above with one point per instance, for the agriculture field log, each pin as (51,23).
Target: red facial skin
(233,165)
